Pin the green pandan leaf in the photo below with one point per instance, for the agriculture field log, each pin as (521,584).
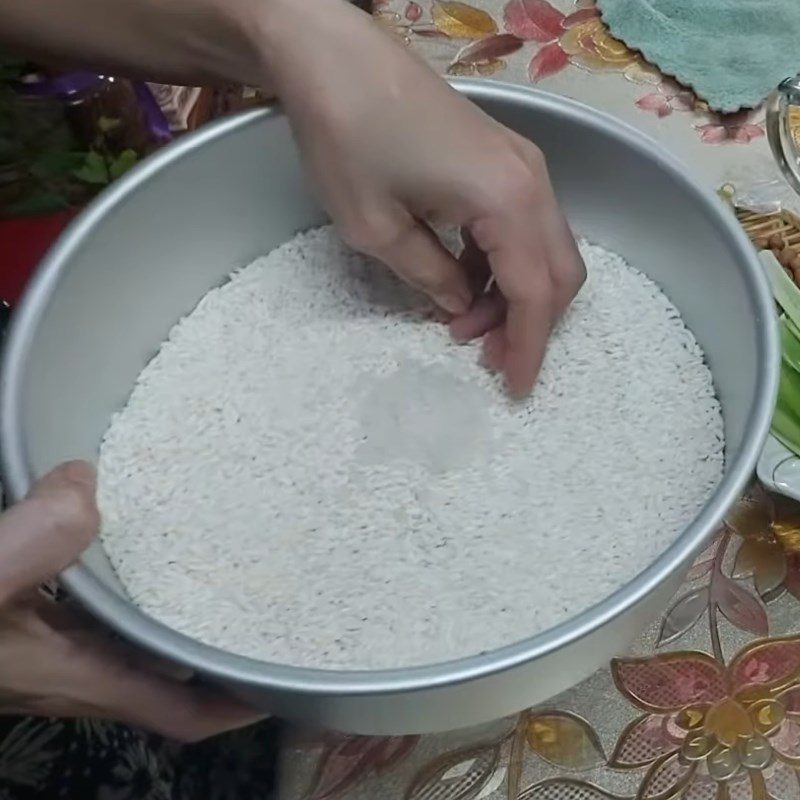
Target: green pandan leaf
(786,418)
(793,329)
(784,290)
(790,345)
(786,429)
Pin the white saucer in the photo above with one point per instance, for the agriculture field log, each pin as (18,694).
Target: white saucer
(779,469)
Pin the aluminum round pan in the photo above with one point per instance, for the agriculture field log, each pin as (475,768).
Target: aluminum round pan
(618,187)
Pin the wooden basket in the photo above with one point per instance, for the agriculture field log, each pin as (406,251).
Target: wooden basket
(759,227)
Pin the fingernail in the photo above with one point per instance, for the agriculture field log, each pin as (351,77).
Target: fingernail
(453,303)
(440,316)
(487,362)
(79,472)
(514,392)
(458,338)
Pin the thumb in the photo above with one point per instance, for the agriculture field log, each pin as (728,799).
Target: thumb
(48,530)
(421,260)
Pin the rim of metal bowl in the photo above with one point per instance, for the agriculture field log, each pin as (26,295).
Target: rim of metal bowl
(126,619)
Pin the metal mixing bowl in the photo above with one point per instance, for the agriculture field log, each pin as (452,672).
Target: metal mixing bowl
(149,248)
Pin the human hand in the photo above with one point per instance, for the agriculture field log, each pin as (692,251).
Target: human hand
(393,149)
(53,664)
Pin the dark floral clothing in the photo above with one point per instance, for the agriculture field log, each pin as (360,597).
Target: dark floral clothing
(51,759)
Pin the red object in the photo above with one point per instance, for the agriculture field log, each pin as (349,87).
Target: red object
(23,242)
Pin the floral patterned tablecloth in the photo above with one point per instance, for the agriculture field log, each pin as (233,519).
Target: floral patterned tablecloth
(707,704)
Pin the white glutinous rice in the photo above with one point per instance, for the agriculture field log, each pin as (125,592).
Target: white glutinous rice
(311,472)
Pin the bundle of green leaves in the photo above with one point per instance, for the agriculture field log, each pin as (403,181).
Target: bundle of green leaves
(44,167)
(786,418)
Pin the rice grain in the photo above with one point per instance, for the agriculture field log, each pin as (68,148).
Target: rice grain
(310,472)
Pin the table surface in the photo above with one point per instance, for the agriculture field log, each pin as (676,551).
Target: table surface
(707,704)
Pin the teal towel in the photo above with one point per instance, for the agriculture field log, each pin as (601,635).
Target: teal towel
(731,52)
